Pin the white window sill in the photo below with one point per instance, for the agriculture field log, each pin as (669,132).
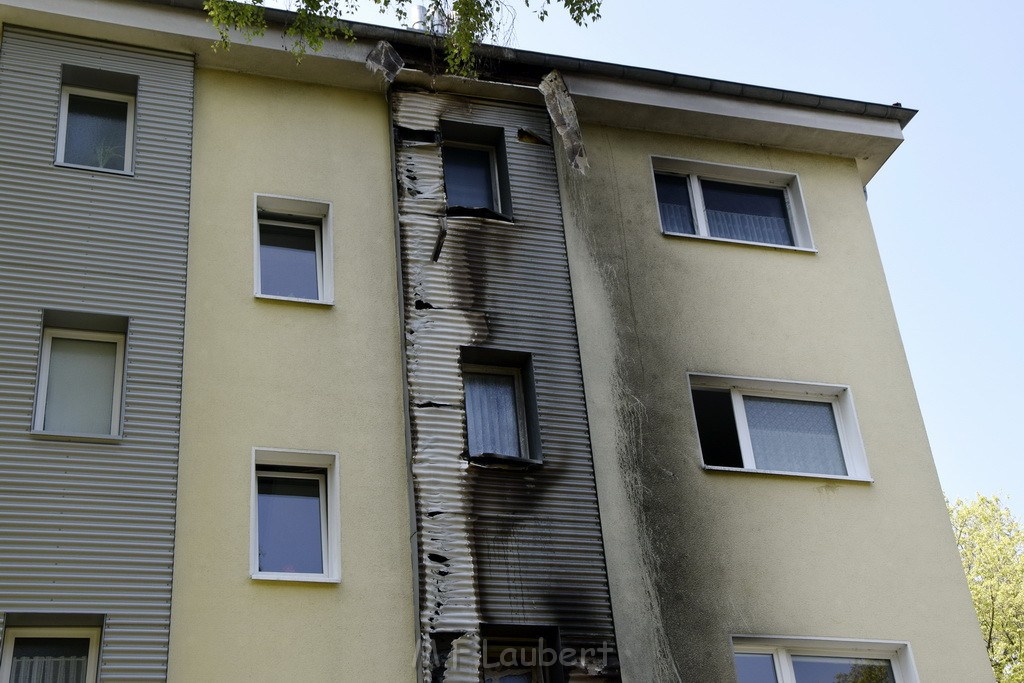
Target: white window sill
(95,169)
(765,245)
(802,475)
(90,438)
(295,578)
(293,299)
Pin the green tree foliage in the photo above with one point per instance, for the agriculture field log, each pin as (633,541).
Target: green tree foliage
(465,22)
(991,544)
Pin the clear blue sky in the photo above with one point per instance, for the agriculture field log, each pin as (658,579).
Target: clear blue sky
(950,243)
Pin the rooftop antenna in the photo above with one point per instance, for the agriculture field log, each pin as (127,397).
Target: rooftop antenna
(428,21)
(421,19)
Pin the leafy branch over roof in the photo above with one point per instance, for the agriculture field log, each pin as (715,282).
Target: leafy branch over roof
(459,24)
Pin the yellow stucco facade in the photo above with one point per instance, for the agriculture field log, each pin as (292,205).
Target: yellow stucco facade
(261,373)
(715,554)
(695,557)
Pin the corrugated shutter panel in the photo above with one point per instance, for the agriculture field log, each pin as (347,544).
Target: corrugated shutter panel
(499,547)
(89,527)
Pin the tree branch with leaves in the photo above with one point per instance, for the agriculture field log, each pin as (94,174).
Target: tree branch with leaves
(458,24)
(991,544)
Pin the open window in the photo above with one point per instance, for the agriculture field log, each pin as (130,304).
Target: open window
(777,427)
(475,171)
(293,257)
(96,128)
(501,422)
(81,374)
(731,203)
(50,655)
(295,533)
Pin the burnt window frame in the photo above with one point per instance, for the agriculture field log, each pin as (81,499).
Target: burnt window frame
(519,365)
(458,134)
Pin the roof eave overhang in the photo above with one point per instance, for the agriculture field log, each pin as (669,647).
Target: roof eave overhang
(170,27)
(605,94)
(867,139)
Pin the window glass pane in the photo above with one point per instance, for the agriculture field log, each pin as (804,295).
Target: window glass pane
(50,660)
(96,131)
(755,668)
(290,534)
(492,414)
(674,204)
(842,670)
(80,386)
(526,677)
(716,427)
(752,214)
(794,436)
(288,262)
(467,177)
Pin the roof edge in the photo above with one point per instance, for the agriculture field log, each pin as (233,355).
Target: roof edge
(507,59)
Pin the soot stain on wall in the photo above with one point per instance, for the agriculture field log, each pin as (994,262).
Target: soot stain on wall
(675,536)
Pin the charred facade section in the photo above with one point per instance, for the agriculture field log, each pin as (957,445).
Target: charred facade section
(511,556)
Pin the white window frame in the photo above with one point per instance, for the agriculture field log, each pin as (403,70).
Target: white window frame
(839,396)
(695,171)
(264,462)
(783,649)
(493,154)
(13,633)
(273,210)
(44,375)
(521,424)
(62,127)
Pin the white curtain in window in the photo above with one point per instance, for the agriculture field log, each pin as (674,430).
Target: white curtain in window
(794,436)
(748,213)
(749,227)
(676,218)
(674,203)
(80,386)
(492,414)
(49,669)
